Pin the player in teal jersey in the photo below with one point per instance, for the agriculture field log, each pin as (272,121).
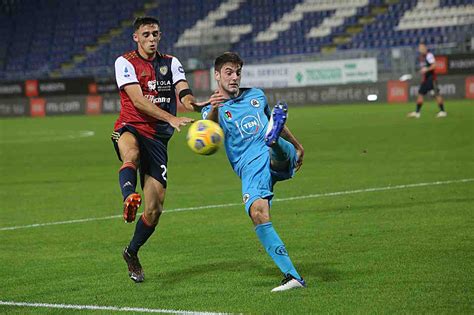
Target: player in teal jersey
(258,152)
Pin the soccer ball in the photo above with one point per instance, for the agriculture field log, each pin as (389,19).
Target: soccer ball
(205,137)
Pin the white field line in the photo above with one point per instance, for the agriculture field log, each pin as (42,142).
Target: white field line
(329,194)
(50,137)
(104,308)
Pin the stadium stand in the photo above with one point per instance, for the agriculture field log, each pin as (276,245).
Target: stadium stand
(83,37)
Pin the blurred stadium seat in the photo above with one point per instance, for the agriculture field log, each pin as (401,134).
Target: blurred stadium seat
(47,38)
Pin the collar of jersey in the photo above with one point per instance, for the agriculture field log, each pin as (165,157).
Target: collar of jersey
(238,97)
(157,54)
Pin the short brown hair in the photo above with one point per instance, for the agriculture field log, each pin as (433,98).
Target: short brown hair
(145,20)
(226,57)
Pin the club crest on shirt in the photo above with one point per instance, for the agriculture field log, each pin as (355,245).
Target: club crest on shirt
(255,103)
(144,73)
(228,115)
(245,198)
(164,70)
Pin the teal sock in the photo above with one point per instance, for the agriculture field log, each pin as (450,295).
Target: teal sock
(275,248)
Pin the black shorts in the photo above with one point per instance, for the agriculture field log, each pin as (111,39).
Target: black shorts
(153,155)
(427,86)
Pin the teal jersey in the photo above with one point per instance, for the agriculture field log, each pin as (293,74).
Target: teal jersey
(244,120)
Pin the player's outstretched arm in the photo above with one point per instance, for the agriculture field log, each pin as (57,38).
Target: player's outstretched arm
(186,96)
(288,135)
(215,99)
(145,106)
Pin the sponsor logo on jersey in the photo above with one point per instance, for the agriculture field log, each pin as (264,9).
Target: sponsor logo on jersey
(156,100)
(164,70)
(180,69)
(228,115)
(255,103)
(160,86)
(245,198)
(151,85)
(163,82)
(250,125)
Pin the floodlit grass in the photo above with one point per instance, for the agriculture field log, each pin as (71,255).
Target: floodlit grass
(394,251)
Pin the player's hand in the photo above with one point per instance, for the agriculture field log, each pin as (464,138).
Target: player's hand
(424,70)
(177,122)
(215,99)
(200,104)
(300,154)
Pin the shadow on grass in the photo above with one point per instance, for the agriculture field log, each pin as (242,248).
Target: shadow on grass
(208,269)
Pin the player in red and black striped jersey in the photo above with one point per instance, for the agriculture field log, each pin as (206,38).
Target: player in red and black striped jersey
(429,83)
(149,82)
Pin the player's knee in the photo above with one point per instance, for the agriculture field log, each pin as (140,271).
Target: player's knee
(131,155)
(154,209)
(259,211)
(279,165)
(129,148)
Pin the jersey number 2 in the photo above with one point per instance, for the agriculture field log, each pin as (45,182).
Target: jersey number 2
(164,172)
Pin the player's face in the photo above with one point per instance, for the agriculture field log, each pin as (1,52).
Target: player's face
(228,79)
(147,37)
(422,49)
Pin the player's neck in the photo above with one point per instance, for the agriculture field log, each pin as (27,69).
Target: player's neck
(229,95)
(146,56)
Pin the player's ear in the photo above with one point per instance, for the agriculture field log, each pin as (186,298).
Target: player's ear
(135,37)
(217,75)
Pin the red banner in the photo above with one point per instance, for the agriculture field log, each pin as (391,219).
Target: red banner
(397,91)
(31,88)
(38,107)
(470,87)
(441,65)
(93,105)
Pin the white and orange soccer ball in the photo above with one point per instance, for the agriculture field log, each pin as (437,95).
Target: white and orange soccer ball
(205,137)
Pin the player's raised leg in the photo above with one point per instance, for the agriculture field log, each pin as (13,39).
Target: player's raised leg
(276,123)
(146,224)
(283,160)
(260,215)
(129,154)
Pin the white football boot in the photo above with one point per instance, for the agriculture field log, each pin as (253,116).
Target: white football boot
(413,115)
(289,283)
(441,114)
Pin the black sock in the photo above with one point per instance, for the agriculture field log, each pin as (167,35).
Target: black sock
(441,107)
(143,231)
(128,179)
(418,107)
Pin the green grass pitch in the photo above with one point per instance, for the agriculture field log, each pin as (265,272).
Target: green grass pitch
(407,250)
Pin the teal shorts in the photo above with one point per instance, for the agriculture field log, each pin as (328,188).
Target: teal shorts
(258,178)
